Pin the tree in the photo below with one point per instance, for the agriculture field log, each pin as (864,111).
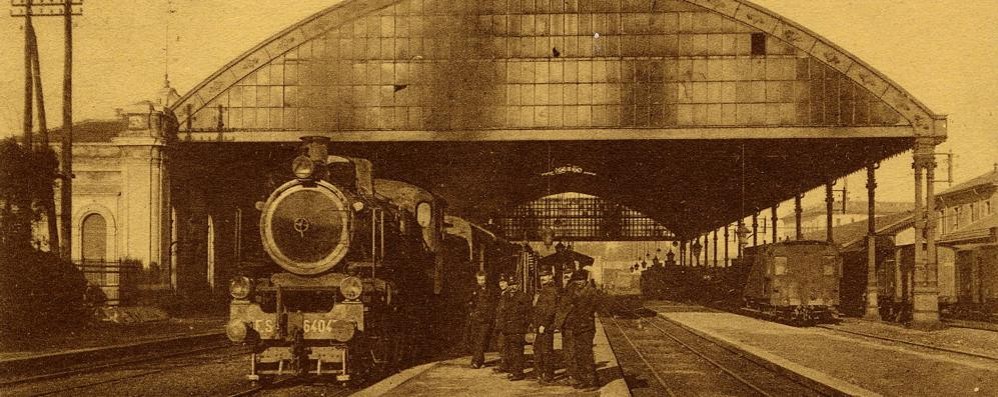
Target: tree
(36,287)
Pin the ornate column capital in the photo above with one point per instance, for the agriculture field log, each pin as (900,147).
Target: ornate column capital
(924,152)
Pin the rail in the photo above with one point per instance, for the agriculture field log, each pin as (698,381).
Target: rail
(907,342)
(753,386)
(116,364)
(665,385)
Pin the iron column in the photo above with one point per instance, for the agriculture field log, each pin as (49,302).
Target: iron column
(706,247)
(798,214)
(926,289)
(755,229)
(727,255)
(829,201)
(872,290)
(715,247)
(776,235)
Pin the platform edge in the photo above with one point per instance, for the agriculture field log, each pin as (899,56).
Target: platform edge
(390,383)
(617,387)
(821,382)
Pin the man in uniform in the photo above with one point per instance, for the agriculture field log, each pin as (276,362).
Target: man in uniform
(564,307)
(481,315)
(545,308)
(580,322)
(512,318)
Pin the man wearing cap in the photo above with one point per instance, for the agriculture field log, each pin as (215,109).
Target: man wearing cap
(580,323)
(480,318)
(581,320)
(545,307)
(564,307)
(512,319)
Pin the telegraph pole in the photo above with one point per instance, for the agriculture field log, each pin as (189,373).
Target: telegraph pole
(28,79)
(43,147)
(66,9)
(67,134)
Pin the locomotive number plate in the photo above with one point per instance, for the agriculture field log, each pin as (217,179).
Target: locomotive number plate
(317,326)
(322,328)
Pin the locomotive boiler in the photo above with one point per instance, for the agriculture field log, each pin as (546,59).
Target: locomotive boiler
(356,261)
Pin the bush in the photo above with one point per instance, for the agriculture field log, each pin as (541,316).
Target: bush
(41,294)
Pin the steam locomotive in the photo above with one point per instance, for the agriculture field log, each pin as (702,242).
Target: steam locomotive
(360,262)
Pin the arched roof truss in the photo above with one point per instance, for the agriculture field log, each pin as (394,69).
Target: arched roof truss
(444,70)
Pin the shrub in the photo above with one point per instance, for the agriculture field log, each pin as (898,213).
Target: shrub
(41,294)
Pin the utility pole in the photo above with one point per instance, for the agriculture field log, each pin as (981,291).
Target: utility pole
(28,79)
(43,147)
(66,9)
(36,72)
(67,133)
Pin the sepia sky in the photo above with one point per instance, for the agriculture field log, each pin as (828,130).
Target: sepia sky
(944,52)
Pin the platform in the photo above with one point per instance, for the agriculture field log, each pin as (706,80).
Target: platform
(455,378)
(840,361)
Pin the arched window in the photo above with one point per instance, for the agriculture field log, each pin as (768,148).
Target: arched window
(94,238)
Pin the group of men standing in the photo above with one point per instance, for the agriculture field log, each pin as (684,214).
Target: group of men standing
(570,309)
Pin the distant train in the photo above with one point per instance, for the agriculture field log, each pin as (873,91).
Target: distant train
(794,280)
(791,281)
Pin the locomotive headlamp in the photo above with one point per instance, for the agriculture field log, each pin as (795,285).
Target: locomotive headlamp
(236,330)
(351,287)
(240,287)
(303,167)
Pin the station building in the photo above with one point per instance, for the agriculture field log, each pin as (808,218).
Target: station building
(695,113)
(968,223)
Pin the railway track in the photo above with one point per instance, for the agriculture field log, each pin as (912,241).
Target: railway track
(131,374)
(114,364)
(690,359)
(906,342)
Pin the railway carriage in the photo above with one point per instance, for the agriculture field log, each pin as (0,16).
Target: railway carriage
(796,281)
(792,281)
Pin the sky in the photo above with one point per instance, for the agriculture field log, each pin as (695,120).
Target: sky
(944,52)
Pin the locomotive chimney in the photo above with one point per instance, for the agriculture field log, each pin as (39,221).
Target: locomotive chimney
(317,148)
